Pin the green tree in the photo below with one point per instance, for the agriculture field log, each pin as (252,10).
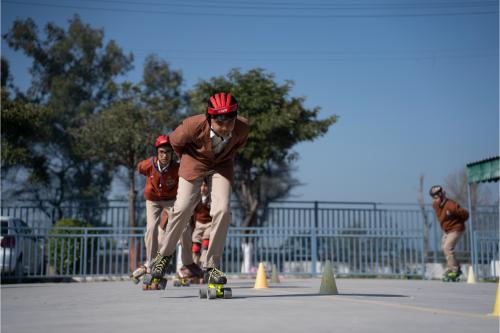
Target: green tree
(122,134)
(24,128)
(278,122)
(73,73)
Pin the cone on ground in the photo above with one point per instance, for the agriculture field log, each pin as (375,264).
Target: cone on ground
(261,281)
(274,275)
(471,278)
(328,285)
(496,308)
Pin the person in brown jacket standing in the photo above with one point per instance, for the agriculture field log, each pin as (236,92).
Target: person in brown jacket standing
(452,218)
(160,192)
(206,145)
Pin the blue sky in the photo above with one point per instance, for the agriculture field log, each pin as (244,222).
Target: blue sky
(415,82)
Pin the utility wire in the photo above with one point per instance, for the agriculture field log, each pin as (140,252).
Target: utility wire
(234,15)
(307,6)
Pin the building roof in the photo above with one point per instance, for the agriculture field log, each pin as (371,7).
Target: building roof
(487,170)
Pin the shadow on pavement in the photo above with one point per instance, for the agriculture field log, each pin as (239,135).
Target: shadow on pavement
(319,295)
(293,295)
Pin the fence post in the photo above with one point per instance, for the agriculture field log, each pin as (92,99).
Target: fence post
(85,240)
(314,241)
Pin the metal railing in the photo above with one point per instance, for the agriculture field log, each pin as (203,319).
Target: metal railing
(359,239)
(85,252)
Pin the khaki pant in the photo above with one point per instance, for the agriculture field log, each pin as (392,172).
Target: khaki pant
(188,196)
(201,232)
(448,243)
(154,234)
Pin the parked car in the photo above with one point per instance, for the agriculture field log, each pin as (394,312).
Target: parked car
(20,252)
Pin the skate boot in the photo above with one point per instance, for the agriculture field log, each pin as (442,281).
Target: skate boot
(196,273)
(151,283)
(138,273)
(159,265)
(188,274)
(215,280)
(156,279)
(451,276)
(215,276)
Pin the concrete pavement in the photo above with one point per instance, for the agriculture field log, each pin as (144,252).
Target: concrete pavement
(294,305)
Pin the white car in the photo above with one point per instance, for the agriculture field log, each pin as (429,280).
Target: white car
(20,252)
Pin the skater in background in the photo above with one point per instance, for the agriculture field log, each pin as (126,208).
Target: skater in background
(206,145)
(452,218)
(203,223)
(160,191)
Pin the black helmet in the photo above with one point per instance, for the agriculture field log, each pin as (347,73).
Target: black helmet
(436,190)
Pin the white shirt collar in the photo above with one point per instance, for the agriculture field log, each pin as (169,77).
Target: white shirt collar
(164,168)
(223,138)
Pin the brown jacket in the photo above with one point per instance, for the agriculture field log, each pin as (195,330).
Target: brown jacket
(191,141)
(451,216)
(159,185)
(202,213)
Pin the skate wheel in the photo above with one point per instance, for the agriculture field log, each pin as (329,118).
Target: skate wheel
(203,293)
(177,283)
(212,293)
(162,284)
(147,279)
(187,284)
(228,293)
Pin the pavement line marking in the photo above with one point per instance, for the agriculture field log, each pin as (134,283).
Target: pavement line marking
(413,307)
(394,305)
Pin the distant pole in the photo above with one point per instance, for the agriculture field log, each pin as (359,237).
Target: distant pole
(314,241)
(471,231)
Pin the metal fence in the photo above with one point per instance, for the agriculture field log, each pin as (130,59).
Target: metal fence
(361,239)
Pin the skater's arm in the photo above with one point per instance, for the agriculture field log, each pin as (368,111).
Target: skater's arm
(461,213)
(454,210)
(181,136)
(143,166)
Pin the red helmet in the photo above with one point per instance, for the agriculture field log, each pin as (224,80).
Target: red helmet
(162,140)
(222,104)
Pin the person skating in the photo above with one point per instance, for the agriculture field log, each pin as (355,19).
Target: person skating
(202,227)
(452,218)
(160,191)
(206,145)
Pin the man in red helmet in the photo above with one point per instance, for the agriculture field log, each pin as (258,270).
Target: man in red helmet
(160,191)
(206,145)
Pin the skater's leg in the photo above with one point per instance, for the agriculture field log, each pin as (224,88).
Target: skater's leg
(205,242)
(196,240)
(204,248)
(449,243)
(153,214)
(187,246)
(188,194)
(221,218)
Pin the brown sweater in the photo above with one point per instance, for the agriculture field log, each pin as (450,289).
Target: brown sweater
(202,213)
(451,216)
(159,185)
(191,141)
